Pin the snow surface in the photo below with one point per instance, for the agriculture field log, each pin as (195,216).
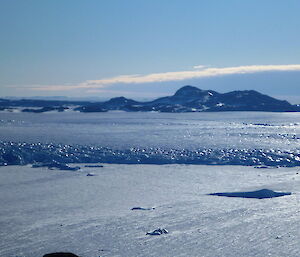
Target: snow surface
(89,211)
(45,211)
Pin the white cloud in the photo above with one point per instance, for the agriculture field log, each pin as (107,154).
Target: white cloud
(199,66)
(201,72)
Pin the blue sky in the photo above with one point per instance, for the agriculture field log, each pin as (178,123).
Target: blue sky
(81,48)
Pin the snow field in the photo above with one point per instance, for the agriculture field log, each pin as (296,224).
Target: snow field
(45,211)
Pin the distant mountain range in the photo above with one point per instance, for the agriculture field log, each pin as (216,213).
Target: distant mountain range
(186,99)
(193,99)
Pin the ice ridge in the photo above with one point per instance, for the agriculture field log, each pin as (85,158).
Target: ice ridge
(12,153)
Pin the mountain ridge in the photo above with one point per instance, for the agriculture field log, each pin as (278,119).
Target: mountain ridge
(193,99)
(185,99)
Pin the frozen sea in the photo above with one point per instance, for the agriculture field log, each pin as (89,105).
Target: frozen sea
(228,138)
(45,210)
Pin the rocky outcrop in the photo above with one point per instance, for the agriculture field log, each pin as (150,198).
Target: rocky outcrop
(193,99)
(259,194)
(60,254)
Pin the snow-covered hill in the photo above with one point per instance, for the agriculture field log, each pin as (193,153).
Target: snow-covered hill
(193,99)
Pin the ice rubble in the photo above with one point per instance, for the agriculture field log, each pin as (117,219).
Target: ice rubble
(57,155)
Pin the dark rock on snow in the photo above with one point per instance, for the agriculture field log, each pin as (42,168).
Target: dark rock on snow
(157,232)
(61,254)
(142,208)
(259,194)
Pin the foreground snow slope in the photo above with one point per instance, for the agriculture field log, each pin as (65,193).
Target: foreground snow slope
(47,210)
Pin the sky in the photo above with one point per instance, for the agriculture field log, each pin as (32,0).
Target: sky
(146,49)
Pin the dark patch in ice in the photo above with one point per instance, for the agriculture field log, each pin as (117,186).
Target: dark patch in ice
(259,124)
(259,194)
(142,208)
(93,166)
(265,167)
(90,175)
(61,254)
(271,125)
(12,153)
(158,232)
(55,165)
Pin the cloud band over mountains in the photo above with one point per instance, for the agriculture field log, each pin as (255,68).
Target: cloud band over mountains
(199,72)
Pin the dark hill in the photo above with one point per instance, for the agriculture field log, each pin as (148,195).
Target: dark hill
(185,99)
